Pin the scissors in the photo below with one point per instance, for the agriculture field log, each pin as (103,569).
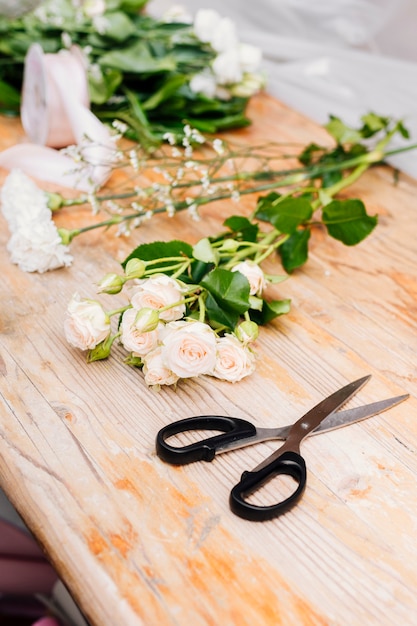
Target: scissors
(238,433)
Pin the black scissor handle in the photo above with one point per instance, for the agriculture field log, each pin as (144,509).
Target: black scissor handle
(289,463)
(232,428)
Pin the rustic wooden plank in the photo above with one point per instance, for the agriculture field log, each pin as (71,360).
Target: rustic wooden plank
(140,542)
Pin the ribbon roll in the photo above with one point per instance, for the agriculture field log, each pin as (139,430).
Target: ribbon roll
(44,114)
(55,113)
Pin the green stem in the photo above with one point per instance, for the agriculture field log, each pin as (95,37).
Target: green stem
(117,311)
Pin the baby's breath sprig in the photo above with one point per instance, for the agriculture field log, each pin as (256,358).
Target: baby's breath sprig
(191,171)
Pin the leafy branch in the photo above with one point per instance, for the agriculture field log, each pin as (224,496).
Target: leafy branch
(297,198)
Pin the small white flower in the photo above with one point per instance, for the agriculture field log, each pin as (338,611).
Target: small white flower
(66,40)
(87,324)
(120,126)
(158,292)
(177,13)
(225,36)
(234,360)
(101,24)
(204,83)
(93,8)
(206,22)
(254,274)
(218,146)
(188,348)
(226,67)
(155,371)
(250,85)
(170,138)
(134,339)
(250,57)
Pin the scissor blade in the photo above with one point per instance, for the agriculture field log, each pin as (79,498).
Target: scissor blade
(350,416)
(311,420)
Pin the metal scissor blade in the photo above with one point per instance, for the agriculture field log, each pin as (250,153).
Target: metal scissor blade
(335,420)
(311,420)
(350,416)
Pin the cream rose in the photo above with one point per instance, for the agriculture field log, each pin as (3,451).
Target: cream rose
(87,324)
(155,371)
(254,274)
(157,292)
(234,360)
(136,340)
(188,348)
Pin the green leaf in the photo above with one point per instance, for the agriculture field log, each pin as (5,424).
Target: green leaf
(219,316)
(341,132)
(9,97)
(294,251)
(286,214)
(118,26)
(373,123)
(404,132)
(256,303)
(132,6)
(166,91)
(203,251)
(348,221)
(160,250)
(200,269)
(229,289)
(307,155)
(241,225)
(101,88)
(263,205)
(270,310)
(136,59)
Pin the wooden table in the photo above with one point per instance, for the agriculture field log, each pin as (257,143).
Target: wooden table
(141,542)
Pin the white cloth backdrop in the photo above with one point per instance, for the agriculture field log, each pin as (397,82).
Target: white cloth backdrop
(340,57)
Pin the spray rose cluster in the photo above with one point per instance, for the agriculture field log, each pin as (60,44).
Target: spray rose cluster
(190,311)
(159,338)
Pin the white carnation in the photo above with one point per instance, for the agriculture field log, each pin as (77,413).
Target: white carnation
(226,67)
(204,83)
(206,22)
(250,57)
(37,247)
(225,36)
(22,200)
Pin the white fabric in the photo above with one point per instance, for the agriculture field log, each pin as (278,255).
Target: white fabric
(340,57)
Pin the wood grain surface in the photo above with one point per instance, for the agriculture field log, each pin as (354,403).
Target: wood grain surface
(141,542)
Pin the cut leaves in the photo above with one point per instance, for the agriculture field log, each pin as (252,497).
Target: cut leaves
(348,221)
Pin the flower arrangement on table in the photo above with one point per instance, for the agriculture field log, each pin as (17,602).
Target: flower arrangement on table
(150,73)
(191,309)
(195,310)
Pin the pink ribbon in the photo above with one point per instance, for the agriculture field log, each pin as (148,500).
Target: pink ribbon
(55,114)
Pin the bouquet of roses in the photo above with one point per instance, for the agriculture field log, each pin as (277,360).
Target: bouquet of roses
(191,310)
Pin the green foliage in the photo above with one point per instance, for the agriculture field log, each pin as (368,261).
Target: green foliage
(134,53)
(348,221)
(294,251)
